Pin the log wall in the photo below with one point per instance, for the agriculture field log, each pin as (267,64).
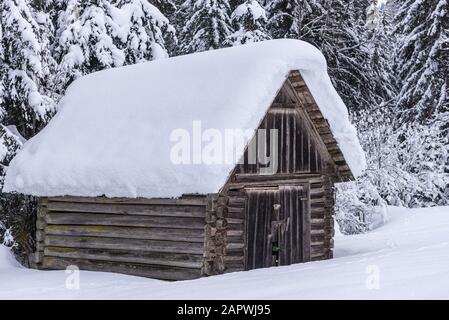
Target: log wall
(158,238)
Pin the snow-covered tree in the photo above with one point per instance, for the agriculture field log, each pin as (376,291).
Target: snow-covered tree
(422,30)
(297,19)
(373,15)
(26,100)
(204,25)
(26,104)
(85,39)
(93,35)
(143,30)
(379,44)
(249,22)
(167,7)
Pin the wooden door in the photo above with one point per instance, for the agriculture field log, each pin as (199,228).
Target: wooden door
(278,226)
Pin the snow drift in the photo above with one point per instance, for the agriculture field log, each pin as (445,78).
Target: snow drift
(407,258)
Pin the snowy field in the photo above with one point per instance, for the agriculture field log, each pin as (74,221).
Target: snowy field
(408,258)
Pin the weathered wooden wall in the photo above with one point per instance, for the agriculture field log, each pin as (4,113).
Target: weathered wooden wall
(187,238)
(308,156)
(159,238)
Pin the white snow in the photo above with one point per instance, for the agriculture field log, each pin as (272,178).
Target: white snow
(111,134)
(406,259)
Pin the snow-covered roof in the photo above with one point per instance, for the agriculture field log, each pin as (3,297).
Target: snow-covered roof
(111,134)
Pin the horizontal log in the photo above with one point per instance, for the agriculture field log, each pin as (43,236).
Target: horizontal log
(317,200)
(236,214)
(129,209)
(238,202)
(280,176)
(236,233)
(234,239)
(235,252)
(235,258)
(195,201)
(235,221)
(317,256)
(235,265)
(159,272)
(318,226)
(317,231)
(234,269)
(190,235)
(124,244)
(124,220)
(235,226)
(149,258)
(231,246)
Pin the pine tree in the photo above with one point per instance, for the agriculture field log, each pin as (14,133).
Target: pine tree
(166,7)
(86,43)
(422,30)
(26,99)
(205,25)
(26,102)
(249,21)
(145,32)
(296,19)
(380,47)
(93,35)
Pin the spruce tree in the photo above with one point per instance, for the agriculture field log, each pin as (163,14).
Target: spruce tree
(341,40)
(146,33)
(166,7)
(27,68)
(249,22)
(296,19)
(380,47)
(85,40)
(422,66)
(206,25)
(26,102)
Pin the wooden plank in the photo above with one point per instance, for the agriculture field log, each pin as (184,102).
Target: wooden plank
(150,258)
(172,234)
(194,201)
(123,220)
(307,226)
(125,244)
(129,209)
(157,272)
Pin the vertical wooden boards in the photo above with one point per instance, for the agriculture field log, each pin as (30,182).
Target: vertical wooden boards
(296,228)
(258,231)
(277,215)
(296,147)
(161,238)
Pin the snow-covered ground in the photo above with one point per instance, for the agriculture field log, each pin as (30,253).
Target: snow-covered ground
(408,258)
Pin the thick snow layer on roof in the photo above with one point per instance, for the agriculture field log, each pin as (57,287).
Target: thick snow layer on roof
(111,134)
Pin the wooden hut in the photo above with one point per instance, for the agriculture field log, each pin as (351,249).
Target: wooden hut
(182,225)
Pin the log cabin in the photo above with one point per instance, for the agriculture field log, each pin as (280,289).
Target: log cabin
(114,195)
